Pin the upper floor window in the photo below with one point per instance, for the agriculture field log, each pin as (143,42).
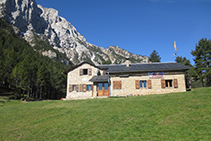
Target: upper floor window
(86,71)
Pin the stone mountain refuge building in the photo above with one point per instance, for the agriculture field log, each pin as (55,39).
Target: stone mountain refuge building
(86,80)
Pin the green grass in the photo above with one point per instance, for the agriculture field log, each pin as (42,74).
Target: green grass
(176,116)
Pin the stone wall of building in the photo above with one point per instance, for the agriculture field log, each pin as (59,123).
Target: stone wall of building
(74,78)
(128,84)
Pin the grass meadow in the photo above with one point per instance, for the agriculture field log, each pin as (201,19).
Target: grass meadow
(176,116)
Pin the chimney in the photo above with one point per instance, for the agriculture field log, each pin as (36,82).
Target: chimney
(127,62)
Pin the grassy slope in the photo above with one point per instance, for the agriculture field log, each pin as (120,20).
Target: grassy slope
(177,116)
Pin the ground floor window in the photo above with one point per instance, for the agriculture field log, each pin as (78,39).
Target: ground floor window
(89,87)
(117,85)
(80,87)
(74,88)
(169,83)
(143,84)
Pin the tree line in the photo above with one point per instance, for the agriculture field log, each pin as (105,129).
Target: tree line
(27,72)
(200,73)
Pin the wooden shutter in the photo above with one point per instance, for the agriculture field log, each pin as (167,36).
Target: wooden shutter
(117,84)
(175,83)
(77,89)
(149,83)
(137,84)
(70,88)
(84,87)
(81,88)
(89,71)
(163,84)
(81,72)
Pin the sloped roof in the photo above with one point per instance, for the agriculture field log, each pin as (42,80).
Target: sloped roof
(121,68)
(80,64)
(101,78)
(145,67)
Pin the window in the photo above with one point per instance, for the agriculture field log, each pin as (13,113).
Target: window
(143,84)
(169,83)
(85,71)
(74,88)
(89,87)
(100,86)
(105,86)
(117,84)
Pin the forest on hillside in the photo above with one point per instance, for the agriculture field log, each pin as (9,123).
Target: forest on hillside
(25,71)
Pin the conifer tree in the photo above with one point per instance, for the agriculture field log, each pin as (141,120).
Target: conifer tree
(154,57)
(202,59)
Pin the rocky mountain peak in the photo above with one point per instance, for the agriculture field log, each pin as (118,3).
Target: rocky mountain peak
(29,17)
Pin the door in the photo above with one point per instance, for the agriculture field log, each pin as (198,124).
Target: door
(103,89)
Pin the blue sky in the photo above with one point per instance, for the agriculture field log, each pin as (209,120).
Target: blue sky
(139,26)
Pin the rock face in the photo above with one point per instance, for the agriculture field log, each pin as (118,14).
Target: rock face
(29,17)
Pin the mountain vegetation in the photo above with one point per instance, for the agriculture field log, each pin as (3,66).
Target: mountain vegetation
(26,71)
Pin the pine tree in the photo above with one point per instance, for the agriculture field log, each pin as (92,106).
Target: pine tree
(154,57)
(202,59)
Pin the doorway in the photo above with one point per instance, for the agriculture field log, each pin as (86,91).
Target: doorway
(103,89)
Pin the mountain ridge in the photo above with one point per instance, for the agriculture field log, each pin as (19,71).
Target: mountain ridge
(29,18)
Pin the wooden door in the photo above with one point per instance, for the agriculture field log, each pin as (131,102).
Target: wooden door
(106,89)
(103,89)
(99,89)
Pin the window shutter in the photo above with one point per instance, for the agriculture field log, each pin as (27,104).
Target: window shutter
(81,72)
(81,88)
(84,87)
(77,89)
(90,71)
(163,84)
(175,83)
(137,84)
(117,84)
(70,88)
(149,83)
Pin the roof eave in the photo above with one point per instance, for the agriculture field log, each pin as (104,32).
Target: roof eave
(146,71)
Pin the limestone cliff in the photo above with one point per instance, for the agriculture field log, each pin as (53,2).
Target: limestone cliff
(29,18)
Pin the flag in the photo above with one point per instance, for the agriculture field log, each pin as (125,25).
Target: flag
(175,47)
